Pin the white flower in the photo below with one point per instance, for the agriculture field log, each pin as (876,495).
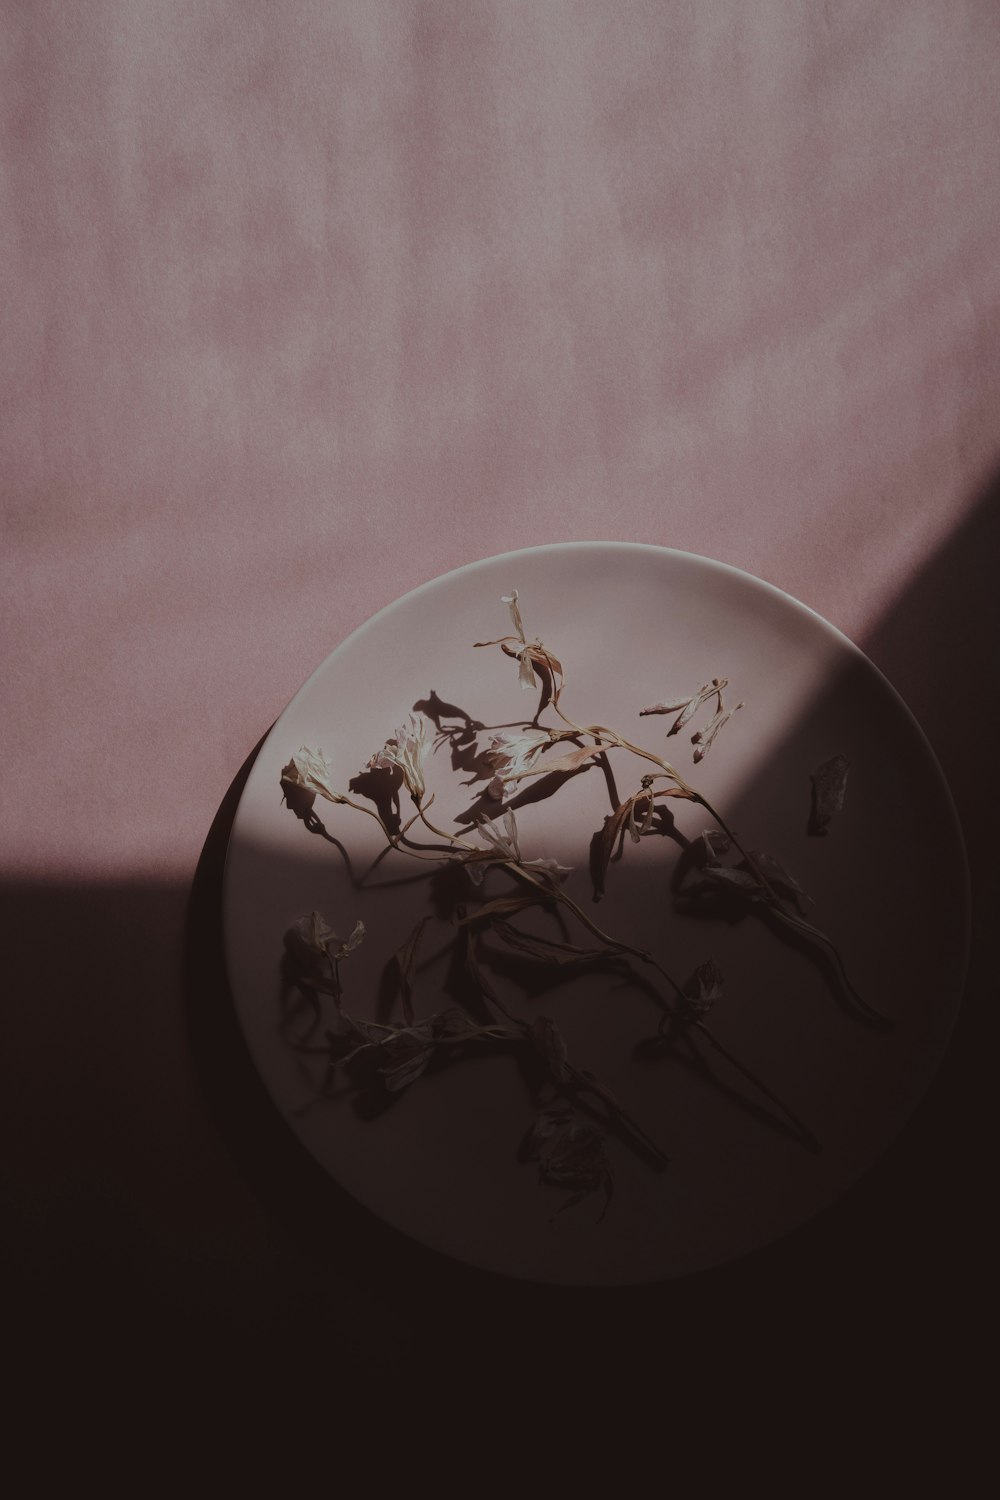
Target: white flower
(310,771)
(407,751)
(509,755)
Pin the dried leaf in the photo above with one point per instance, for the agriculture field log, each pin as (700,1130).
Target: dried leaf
(784,883)
(636,831)
(546,1038)
(503,906)
(406,1055)
(549,950)
(406,958)
(829,785)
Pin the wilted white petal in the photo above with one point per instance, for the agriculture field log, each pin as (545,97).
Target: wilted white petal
(311,771)
(525,671)
(510,754)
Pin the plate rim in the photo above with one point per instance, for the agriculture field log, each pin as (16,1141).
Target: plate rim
(653,550)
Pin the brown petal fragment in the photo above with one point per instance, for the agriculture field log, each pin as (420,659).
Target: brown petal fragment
(829,784)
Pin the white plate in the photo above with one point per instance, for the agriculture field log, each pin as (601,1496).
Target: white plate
(631,624)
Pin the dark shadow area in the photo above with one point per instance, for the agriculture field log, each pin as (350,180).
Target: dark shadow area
(136,1263)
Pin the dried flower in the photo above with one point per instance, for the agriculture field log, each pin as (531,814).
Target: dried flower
(310,771)
(504,846)
(406,751)
(511,754)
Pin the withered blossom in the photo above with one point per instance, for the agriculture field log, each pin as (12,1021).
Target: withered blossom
(406,751)
(310,771)
(505,847)
(510,755)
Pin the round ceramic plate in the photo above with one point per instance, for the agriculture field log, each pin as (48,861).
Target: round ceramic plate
(783,1094)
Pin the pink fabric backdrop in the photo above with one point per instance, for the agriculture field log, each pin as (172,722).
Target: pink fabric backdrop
(307,303)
